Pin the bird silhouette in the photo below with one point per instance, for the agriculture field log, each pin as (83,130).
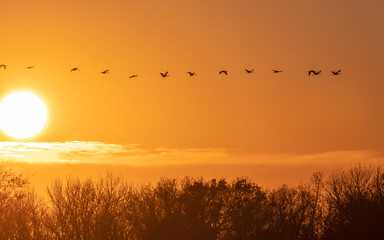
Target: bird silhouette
(164,75)
(336,73)
(3,66)
(249,71)
(30,67)
(313,72)
(277,71)
(105,72)
(75,69)
(223,71)
(134,76)
(191,74)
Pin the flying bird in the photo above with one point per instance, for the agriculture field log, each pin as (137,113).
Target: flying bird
(223,71)
(164,75)
(75,69)
(313,72)
(336,73)
(105,72)
(3,66)
(30,67)
(134,76)
(191,74)
(277,71)
(249,71)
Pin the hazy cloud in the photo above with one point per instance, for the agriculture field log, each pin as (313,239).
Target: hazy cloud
(137,163)
(87,152)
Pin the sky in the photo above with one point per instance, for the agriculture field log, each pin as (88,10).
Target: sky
(194,123)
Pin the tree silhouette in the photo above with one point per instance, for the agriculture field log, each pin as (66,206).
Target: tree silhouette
(21,211)
(344,205)
(355,204)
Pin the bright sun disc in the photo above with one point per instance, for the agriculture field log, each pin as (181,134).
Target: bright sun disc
(22,115)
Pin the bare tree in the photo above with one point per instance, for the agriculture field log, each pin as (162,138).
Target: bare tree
(355,204)
(21,212)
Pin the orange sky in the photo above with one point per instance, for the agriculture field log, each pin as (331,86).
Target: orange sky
(287,113)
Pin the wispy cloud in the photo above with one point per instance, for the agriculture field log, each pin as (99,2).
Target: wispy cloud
(86,152)
(103,153)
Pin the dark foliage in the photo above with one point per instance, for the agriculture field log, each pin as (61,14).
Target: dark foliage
(345,205)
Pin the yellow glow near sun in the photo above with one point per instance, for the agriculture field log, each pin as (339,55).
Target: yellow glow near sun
(22,115)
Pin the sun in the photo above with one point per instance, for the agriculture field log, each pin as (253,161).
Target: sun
(22,115)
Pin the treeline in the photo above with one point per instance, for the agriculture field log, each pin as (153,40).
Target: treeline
(343,205)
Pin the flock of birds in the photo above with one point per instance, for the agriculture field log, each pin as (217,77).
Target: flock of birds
(166,74)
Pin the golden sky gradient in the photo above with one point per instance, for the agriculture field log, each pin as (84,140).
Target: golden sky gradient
(282,115)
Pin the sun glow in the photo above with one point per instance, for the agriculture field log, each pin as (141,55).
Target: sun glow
(22,115)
